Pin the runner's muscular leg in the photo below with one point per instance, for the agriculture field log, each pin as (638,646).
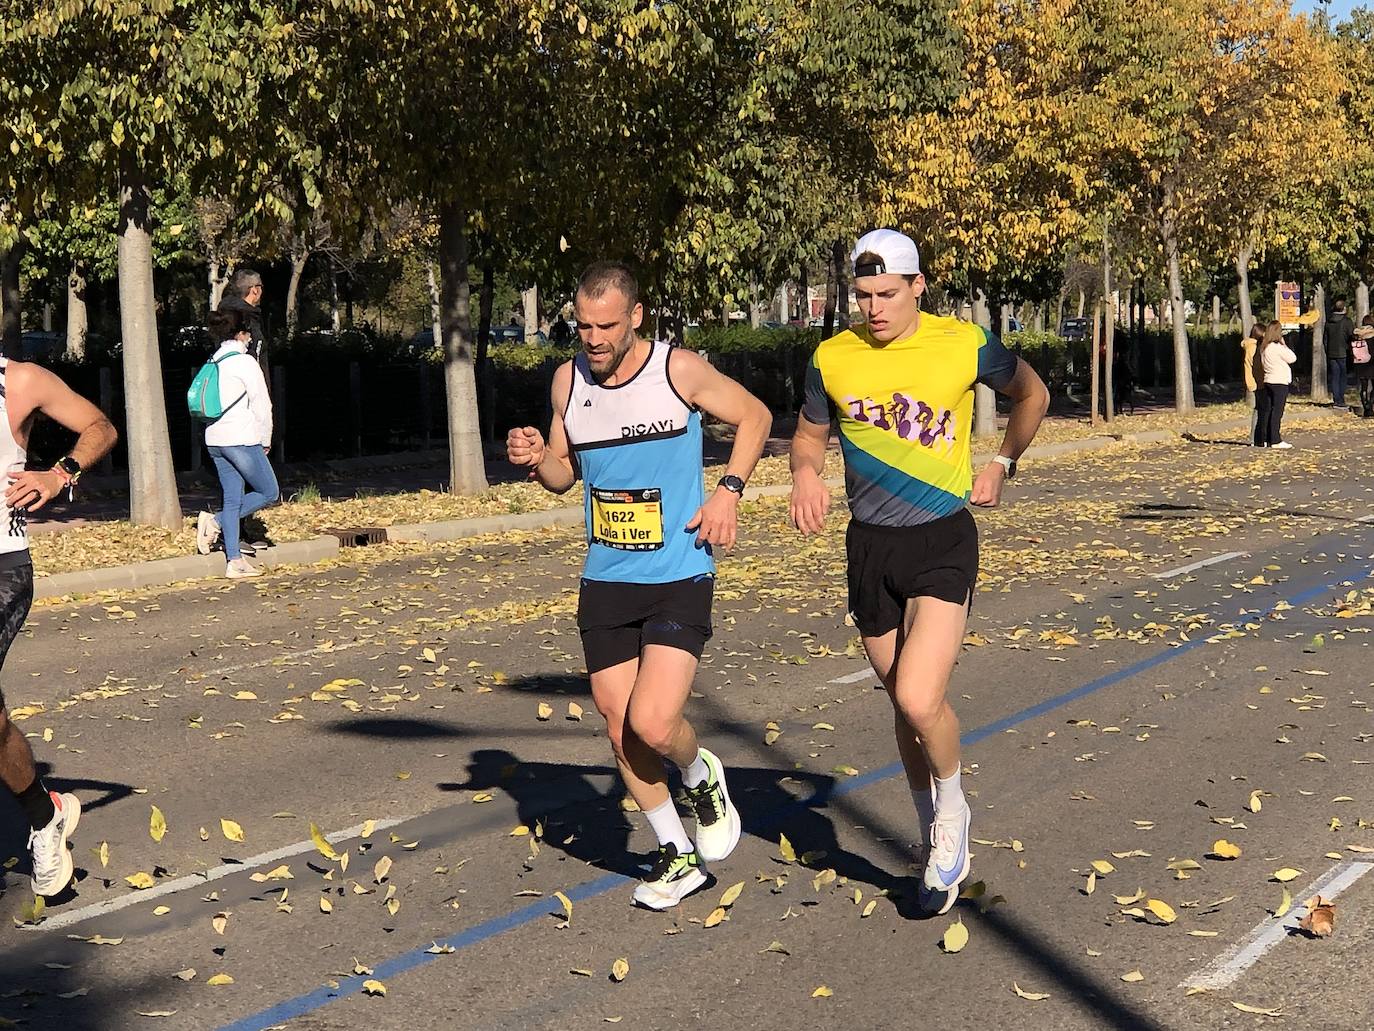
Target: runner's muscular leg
(934,635)
(660,694)
(882,656)
(640,765)
(17,770)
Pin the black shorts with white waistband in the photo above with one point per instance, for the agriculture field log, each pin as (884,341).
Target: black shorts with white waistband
(16,597)
(617,620)
(889,565)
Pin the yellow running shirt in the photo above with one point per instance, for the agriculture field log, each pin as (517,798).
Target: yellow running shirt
(906,414)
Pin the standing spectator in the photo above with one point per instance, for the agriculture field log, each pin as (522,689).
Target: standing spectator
(1360,356)
(238,441)
(1254,384)
(1277,359)
(244,294)
(1339,332)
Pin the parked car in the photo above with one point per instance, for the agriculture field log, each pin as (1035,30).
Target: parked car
(1076,328)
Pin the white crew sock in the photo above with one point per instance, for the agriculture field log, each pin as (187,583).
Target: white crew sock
(697,773)
(949,794)
(925,811)
(667,825)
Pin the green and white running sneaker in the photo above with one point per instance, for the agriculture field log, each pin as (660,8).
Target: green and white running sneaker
(718,825)
(670,880)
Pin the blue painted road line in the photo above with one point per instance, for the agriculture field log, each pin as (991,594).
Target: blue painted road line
(348,986)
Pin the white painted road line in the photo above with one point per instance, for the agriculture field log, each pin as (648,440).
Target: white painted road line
(1169,574)
(1366,518)
(1227,967)
(854,678)
(57,921)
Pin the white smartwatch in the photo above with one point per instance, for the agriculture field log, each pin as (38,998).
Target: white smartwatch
(1009,464)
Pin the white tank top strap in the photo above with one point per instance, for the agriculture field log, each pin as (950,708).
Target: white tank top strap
(14,532)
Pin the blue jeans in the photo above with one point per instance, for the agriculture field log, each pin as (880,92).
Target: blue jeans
(240,466)
(1335,379)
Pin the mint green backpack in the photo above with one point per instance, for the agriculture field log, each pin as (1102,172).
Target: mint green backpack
(203,396)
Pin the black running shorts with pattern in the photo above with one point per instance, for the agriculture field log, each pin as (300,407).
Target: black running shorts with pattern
(16,596)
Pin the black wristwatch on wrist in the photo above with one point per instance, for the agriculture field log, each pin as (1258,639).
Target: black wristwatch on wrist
(733,484)
(70,468)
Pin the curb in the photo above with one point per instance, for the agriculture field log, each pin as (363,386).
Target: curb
(196,567)
(174,570)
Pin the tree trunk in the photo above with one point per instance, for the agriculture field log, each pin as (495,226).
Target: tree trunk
(784,307)
(11,311)
(77,319)
(1361,302)
(486,388)
(1247,315)
(1321,390)
(300,257)
(153,499)
(530,299)
(984,398)
(1109,355)
(335,319)
(828,330)
(434,308)
(1003,319)
(804,305)
(1059,313)
(1104,353)
(1082,300)
(841,259)
(1183,369)
(219,279)
(467,472)
(755,315)
(348,298)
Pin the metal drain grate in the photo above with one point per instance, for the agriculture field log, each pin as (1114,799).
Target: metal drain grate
(359,536)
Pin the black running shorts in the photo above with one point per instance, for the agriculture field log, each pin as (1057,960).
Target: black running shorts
(16,596)
(617,620)
(888,565)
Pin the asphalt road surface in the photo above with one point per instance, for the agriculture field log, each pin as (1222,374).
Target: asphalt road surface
(1169,648)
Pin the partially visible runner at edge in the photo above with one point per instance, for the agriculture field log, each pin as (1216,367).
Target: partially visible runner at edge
(26,390)
(628,420)
(901,386)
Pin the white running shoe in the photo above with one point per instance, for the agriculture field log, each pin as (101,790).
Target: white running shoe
(718,824)
(670,880)
(52,862)
(240,567)
(207,532)
(1282,445)
(949,858)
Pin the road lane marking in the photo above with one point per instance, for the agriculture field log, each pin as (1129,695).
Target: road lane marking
(215,873)
(854,678)
(291,1008)
(1227,967)
(1169,574)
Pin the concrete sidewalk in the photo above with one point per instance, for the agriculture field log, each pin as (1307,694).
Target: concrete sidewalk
(196,567)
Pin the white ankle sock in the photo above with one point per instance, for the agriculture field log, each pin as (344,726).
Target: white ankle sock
(949,794)
(697,773)
(667,825)
(925,811)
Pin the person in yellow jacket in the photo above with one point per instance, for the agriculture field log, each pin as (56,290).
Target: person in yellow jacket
(1254,377)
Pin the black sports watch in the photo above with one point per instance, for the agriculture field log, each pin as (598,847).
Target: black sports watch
(733,484)
(70,466)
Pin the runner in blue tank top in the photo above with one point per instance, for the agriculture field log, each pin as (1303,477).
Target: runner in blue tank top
(628,420)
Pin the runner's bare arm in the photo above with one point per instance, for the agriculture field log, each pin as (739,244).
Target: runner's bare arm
(549,462)
(1030,400)
(31,389)
(810,495)
(721,397)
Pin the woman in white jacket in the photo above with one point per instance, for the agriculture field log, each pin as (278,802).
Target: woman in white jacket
(1277,359)
(238,442)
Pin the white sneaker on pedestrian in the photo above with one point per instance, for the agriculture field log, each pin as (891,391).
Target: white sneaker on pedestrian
(239,568)
(670,880)
(52,862)
(949,857)
(207,532)
(1282,445)
(718,823)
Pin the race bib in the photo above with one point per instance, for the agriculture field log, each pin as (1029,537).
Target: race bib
(631,520)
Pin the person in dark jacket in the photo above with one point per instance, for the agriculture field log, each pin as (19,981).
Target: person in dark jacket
(244,294)
(1339,332)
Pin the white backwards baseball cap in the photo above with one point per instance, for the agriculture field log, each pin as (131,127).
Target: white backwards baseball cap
(897,252)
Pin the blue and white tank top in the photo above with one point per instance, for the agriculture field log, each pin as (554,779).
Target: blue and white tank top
(638,446)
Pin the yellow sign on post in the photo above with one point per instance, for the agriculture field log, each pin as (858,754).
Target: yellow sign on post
(1289,305)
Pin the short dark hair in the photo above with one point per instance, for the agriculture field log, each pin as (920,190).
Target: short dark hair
(869,258)
(1340,304)
(225,324)
(600,276)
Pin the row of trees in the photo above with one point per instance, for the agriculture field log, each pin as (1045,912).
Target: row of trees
(726,146)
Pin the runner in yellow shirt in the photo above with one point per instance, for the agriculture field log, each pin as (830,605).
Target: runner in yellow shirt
(901,386)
